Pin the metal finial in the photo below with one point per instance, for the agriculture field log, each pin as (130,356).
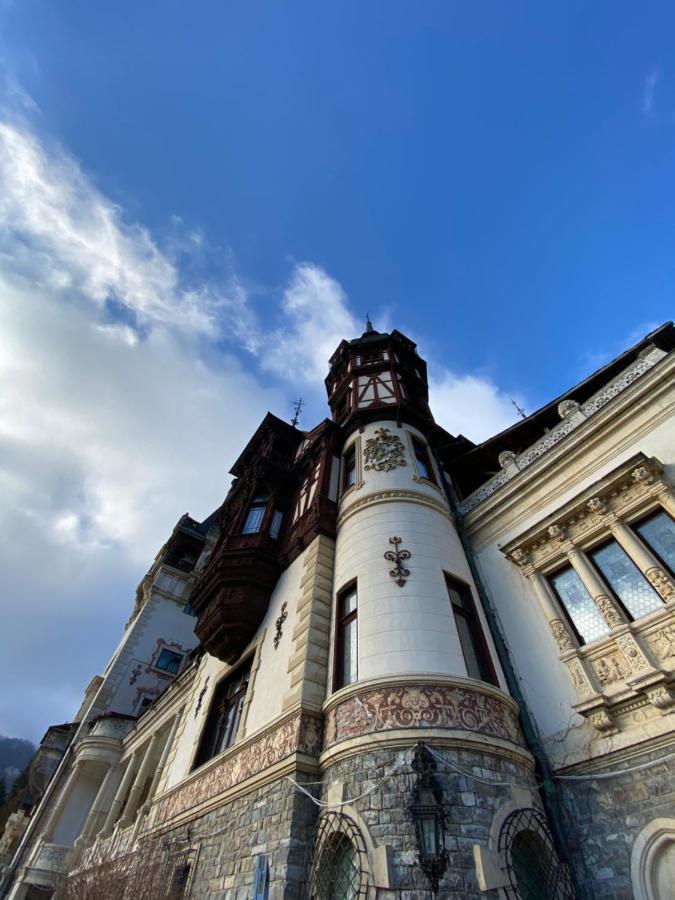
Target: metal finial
(519,410)
(369,325)
(299,403)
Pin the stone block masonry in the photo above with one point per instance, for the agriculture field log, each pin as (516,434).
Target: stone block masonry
(603,818)
(470,808)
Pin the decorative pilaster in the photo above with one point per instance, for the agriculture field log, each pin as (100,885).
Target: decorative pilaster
(139,782)
(61,802)
(120,794)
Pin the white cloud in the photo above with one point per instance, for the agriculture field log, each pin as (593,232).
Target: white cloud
(317,318)
(470,405)
(649,92)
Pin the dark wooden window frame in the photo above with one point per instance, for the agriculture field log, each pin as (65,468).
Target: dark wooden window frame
(421,454)
(218,714)
(349,464)
(338,633)
(470,615)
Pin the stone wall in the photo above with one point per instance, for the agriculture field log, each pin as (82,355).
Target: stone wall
(276,820)
(470,808)
(604,817)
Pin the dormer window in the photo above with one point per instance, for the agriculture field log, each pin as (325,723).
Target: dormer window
(255,515)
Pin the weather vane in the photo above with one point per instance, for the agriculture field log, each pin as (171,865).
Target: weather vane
(299,403)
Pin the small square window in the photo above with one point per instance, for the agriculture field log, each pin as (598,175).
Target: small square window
(169,661)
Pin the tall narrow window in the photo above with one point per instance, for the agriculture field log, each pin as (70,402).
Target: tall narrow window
(423,460)
(578,603)
(255,515)
(224,715)
(626,580)
(349,468)
(658,531)
(275,527)
(346,666)
(475,651)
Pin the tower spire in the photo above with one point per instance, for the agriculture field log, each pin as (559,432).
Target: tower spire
(369,325)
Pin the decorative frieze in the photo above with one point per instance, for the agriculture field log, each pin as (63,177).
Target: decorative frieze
(421,706)
(300,733)
(662,641)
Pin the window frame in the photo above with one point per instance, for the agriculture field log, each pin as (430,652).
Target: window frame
(257,501)
(419,446)
(341,621)
(469,613)
(606,541)
(563,607)
(219,698)
(164,649)
(655,511)
(345,486)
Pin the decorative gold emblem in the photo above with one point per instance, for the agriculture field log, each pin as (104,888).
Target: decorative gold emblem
(383,452)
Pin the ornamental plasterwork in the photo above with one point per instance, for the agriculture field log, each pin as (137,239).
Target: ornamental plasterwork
(636,483)
(662,642)
(573,418)
(383,452)
(421,706)
(611,668)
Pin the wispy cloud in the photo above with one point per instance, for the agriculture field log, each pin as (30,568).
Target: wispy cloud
(649,92)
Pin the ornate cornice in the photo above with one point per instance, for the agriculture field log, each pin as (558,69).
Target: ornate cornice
(393,496)
(634,485)
(573,418)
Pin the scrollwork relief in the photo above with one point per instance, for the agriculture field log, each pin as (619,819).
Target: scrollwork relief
(561,635)
(634,655)
(383,452)
(609,612)
(662,642)
(661,583)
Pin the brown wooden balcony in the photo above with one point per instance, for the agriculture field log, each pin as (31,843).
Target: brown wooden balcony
(232,595)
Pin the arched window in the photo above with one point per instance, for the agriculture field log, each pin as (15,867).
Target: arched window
(532,865)
(337,869)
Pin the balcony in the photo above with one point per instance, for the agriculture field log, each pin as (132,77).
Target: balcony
(232,595)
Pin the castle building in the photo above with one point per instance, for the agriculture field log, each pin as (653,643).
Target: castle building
(393,662)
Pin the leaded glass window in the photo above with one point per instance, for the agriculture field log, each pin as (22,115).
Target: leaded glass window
(626,580)
(584,614)
(658,532)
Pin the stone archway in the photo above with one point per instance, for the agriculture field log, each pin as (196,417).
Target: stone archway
(653,861)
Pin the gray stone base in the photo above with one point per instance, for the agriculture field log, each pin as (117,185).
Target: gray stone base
(604,817)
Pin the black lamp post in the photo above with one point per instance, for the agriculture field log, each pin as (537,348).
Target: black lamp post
(428,815)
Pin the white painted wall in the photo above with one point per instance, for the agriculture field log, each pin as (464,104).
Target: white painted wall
(546,684)
(407,629)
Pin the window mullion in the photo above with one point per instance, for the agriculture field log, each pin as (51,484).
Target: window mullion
(599,592)
(643,558)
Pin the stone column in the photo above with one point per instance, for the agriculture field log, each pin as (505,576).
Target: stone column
(549,605)
(59,806)
(642,556)
(120,794)
(98,806)
(139,781)
(594,584)
(162,760)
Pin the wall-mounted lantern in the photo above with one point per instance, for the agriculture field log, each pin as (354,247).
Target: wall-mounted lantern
(428,815)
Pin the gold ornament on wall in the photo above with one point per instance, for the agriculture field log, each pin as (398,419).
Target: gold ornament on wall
(383,452)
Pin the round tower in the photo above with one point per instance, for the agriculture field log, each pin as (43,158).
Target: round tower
(411,656)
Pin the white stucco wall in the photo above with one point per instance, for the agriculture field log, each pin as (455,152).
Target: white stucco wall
(546,684)
(405,629)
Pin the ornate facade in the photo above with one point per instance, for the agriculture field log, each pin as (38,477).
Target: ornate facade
(393,661)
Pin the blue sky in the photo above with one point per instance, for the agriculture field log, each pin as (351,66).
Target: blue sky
(198,200)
